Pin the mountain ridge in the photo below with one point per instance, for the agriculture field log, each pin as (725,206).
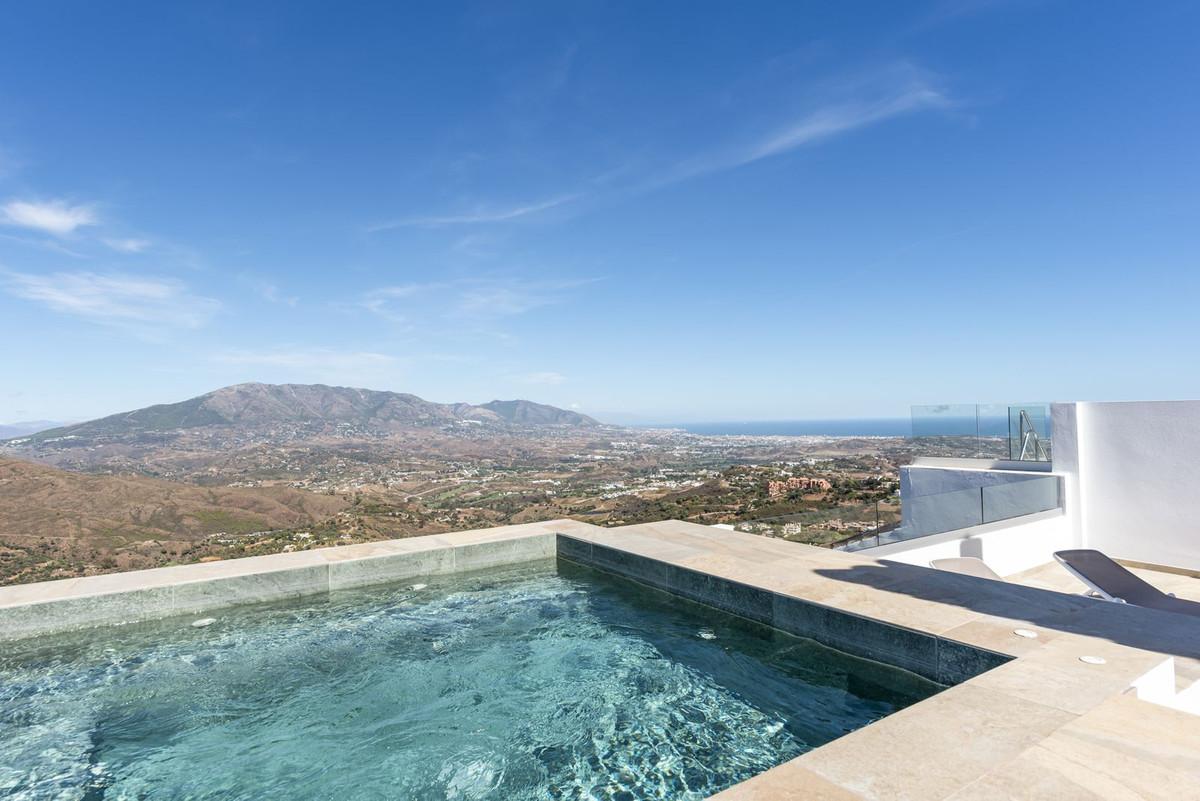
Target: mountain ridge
(316,406)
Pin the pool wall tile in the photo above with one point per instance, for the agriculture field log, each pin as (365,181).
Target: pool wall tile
(801,618)
(381,569)
(935,658)
(482,555)
(78,603)
(883,642)
(958,662)
(639,568)
(95,610)
(749,602)
(574,550)
(198,596)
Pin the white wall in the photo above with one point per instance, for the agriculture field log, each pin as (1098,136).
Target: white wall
(1131,488)
(1007,548)
(1138,478)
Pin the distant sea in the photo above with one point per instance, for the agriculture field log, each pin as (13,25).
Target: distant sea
(866,427)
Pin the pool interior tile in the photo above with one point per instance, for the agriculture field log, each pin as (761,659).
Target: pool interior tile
(493,553)
(728,596)
(958,662)
(87,611)
(198,596)
(574,549)
(893,645)
(634,566)
(390,567)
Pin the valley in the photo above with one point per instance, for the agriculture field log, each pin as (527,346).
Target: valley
(267,469)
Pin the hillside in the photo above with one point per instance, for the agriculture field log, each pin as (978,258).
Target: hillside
(315,408)
(58,523)
(523,412)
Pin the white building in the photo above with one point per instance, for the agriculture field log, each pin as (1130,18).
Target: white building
(1121,478)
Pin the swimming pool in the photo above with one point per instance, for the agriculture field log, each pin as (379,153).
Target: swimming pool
(536,682)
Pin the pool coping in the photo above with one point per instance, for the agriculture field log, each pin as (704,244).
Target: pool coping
(30,610)
(1028,719)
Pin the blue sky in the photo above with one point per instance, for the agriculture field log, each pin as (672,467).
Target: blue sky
(666,211)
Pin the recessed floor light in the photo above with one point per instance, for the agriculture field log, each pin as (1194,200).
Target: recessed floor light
(1093,660)
(1028,634)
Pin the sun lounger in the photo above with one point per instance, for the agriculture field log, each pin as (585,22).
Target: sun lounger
(967,565)
(1112,582)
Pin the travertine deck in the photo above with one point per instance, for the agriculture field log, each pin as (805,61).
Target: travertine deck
(1042,726)
(1045,725)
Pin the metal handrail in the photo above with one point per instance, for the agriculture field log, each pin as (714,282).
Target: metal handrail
(1028,435)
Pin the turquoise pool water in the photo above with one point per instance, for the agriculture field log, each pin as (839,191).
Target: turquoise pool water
(539,682)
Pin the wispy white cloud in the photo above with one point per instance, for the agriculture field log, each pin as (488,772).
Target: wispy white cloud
(479,215)
(829,109)
(318,359)
(466,299)
(892,92)
(268,291)
(42,243)
(845,117)
(130,245)
(114,298)
(548,378)
(502,300)
(272,294)
(389,302)
(950,10)
(55,217)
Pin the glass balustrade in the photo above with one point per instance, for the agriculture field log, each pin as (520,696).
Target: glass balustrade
(1008,431)
(867,525)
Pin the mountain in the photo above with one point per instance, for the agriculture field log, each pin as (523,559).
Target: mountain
(523,412)
(8,430)
(62,523)
(314,408)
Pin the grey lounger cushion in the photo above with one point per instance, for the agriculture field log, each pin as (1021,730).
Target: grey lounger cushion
(1115,583)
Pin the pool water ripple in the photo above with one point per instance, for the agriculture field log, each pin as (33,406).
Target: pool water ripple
(529,683)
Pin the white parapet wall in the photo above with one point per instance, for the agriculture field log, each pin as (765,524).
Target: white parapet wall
(1007,547)
(1137,472)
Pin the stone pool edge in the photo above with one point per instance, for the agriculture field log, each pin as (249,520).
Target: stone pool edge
(938,659)
(31,610)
